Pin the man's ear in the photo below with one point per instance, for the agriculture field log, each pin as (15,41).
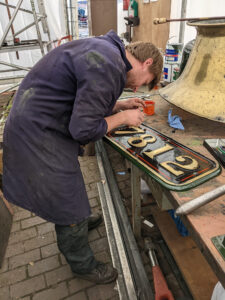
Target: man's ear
(148,62)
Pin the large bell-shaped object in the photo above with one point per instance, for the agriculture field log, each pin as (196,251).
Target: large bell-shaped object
(201,87)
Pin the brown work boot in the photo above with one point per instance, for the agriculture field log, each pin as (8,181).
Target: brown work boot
(94,220)
(102,274)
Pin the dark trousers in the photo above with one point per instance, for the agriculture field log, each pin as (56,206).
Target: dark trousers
(73,243)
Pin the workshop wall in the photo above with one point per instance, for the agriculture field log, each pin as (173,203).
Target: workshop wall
(200,8)
(147,31)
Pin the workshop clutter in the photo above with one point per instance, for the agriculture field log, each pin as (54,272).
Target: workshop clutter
(173,52)
(149,109)
(171,72)
(125,4)
(172,59)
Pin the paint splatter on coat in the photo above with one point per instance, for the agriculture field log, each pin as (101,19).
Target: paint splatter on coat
(60,105)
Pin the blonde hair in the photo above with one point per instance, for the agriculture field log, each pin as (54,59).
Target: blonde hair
(142,51)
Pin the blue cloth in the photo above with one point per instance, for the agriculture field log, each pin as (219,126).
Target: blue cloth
(174,121)
(60,104)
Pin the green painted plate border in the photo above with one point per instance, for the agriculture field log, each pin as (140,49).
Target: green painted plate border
(217,243)
(168,186)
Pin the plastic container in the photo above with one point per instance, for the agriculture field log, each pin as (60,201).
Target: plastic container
(150,108)
(171,55)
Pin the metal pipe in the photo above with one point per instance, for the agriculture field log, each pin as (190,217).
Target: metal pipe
(150,249)
(11,80)
(14,66)
(9,88)
(71,20)
(28,26)
(199,201)
(89,19)
(44,22)
(75,15)
(153,258)
(37,27)
(12,28)
(10,22)
(66,16)
(182,25)
(8,70)
(161,288)
(21,9)
(157,21)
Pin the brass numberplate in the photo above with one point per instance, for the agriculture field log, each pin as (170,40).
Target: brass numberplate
(173,165)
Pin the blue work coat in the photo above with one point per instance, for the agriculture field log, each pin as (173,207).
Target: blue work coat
(60,105)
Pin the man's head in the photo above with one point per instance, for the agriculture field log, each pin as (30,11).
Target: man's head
(147,63)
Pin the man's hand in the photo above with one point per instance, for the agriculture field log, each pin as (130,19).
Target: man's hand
(133,117)
(131,103)
(129,117)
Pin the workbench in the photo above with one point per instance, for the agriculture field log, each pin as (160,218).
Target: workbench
(205,222)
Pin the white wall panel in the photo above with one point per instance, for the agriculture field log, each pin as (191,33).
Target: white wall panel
(195,8)
(56,23)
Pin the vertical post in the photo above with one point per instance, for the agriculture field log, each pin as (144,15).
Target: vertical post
(182,24)
(37,27)
(75,15)
(136,200)
(89,19)
(66,17)
(44,22)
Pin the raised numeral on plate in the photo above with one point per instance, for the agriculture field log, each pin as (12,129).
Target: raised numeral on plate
(158,151)
(141,141)
(168,165)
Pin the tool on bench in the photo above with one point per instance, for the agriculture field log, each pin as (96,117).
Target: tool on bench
(217,148)
(219,243)
(191,205)
(162,291)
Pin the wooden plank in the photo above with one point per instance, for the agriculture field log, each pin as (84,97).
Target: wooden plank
(193,266)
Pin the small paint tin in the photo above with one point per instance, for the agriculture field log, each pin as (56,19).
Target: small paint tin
(150,108)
